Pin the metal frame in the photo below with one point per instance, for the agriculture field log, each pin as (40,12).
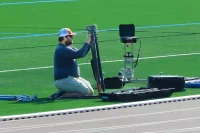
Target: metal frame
(96,61)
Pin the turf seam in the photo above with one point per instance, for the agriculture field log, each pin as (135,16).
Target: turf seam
(104,30)
(33,2)
(100,108)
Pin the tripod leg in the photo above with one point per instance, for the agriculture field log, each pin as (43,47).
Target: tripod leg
(93,68)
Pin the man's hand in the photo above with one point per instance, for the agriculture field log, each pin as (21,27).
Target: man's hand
(89,39)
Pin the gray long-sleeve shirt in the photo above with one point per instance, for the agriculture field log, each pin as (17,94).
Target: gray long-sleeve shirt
(65,63)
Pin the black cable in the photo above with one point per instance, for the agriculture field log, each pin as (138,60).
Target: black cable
(138,55)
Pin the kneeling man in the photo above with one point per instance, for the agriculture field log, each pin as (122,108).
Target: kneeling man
(66,70)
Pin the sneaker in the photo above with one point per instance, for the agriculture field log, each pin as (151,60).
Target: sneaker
(56,94)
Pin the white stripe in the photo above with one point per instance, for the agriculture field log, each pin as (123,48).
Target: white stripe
(97,108)
(144,58)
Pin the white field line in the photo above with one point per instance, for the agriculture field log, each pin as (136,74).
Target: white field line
(144,58)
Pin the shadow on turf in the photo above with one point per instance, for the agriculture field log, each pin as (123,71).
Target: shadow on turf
(48,101)
(40,101)
(96,100)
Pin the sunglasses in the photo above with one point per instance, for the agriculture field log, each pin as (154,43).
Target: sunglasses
(69,36)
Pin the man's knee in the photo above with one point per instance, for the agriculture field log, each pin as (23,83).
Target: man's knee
(91,91)
(86,86)
(87,91)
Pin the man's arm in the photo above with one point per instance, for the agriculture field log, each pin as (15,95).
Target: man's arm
(88,50)
(70,53)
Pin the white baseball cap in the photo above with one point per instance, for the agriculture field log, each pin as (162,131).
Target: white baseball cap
(65,32)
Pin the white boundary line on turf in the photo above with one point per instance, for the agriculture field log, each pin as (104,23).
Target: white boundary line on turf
(144,58)
(99,108)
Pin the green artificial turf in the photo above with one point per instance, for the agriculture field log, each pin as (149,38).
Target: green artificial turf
(19,52)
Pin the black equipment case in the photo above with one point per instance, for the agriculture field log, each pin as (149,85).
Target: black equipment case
(136,94)
(167,81)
